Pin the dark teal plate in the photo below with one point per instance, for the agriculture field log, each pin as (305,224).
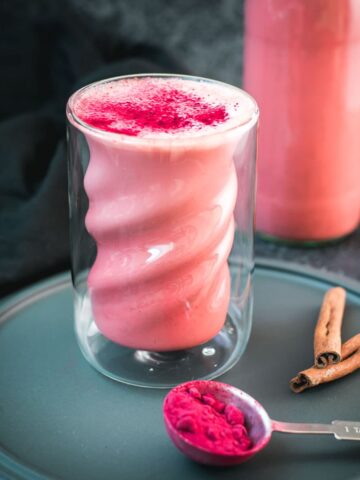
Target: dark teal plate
(62,419)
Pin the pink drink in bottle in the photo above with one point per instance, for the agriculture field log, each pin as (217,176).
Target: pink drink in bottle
(302,66)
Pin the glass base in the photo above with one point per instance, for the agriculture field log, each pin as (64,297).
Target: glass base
(164,369)
(301,243)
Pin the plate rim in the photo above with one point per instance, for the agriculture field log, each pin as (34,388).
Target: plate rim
(45,287)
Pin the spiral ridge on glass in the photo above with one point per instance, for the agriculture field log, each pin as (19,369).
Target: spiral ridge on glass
(163,231)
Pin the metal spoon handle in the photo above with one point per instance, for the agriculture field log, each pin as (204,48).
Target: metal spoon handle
(342,430)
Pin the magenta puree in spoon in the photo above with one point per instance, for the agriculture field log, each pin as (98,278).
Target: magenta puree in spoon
(162,187)
(207,422)
(215,423)
(195,428)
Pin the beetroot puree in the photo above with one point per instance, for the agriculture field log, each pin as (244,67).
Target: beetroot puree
(207,422)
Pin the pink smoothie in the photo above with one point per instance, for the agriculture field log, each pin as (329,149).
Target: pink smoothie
(162,187)
(302,66)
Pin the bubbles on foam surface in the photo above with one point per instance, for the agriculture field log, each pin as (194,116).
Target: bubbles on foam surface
(161,107)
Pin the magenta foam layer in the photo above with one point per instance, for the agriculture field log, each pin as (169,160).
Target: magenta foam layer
(165,106)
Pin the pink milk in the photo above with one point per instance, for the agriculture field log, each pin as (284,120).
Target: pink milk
(302,65)
(162,186)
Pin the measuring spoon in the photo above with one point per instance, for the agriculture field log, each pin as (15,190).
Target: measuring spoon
(258,423)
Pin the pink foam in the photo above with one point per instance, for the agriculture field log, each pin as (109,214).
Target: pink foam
(146,106)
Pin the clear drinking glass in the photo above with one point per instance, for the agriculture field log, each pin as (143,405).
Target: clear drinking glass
(159,298)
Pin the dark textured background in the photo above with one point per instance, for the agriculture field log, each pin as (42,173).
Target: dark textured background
(204,35)
(47,50)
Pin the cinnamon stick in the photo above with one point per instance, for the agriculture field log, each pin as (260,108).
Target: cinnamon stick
(327,337)
(313,376)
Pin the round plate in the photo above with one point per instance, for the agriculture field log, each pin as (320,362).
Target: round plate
(61,419)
